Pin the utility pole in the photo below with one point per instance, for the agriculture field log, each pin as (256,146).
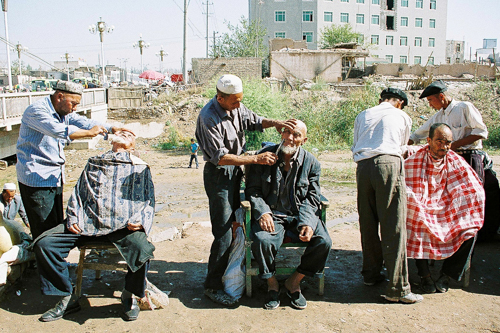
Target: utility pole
(208,3)
(215,48)
(4,9)
(184,49)
(19,48)
(67,56)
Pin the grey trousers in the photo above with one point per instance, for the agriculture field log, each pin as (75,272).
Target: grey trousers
(382,204)
(265,246)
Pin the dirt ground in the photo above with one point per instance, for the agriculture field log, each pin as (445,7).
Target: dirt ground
(180,266)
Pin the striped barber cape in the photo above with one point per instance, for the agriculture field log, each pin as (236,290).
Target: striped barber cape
(114,189)
(445,204)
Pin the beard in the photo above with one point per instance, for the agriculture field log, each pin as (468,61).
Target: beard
(289,150)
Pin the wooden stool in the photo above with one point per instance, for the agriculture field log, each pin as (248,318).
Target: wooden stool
(108,261)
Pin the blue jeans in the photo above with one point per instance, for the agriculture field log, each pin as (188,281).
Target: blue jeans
(222,185)
(195,158)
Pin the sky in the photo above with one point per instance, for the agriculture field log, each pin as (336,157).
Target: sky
(51,28)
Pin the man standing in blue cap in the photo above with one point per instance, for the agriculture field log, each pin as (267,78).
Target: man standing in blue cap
(380,134)
(468,131)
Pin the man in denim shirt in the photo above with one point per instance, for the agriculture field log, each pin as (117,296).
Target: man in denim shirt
(285,200)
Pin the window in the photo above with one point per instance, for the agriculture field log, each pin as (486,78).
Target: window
(403,59)
(404,21)
(389,40)
(432,23)
(419,3)
(390,4)
(432,42)
(433,4)
(403,41)
(360,18)
(374,39)
(457,60)
(307,36)
(360,1)
(328,17)
(344,17)
(418,41)
(404,3)
(448,60)
(279,35)
(417,60)
(458,48)
(344,0)
(307,16)
(431,61)
(279,16)
(389,22)
(375,2)
(418,23)
(361,39)
(376,19)
(390,58)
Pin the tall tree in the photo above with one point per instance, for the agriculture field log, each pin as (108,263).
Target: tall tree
(336,34)
(243,40)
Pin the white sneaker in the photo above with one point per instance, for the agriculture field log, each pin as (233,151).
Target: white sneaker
(410,298)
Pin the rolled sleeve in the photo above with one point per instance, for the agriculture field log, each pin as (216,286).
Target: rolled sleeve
(211,141)
(251,121)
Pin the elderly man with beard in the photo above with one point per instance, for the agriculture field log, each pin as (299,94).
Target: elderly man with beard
(445,209)
(285,200)
(113,201)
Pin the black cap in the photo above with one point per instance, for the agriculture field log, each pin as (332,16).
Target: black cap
(434,88)
(395,92)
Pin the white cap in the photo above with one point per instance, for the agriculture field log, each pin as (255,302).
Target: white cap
(9,186)
(230,84)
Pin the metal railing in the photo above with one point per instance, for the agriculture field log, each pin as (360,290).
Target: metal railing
(12,105)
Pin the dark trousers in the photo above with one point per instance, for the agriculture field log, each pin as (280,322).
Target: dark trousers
(222,185)
(382,203)
(51,252)
(453,266)
(492,192)
(44,207)
(265,246)
(195,158)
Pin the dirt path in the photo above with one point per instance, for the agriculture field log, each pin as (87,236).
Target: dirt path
(180,265)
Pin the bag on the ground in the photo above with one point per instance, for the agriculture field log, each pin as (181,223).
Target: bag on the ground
(234,276)
(154,299)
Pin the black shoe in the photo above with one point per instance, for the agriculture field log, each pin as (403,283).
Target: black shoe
(427,285)
(443,283)
(297,300)
(130,308)
(220,297)
(58,311)
(272,300)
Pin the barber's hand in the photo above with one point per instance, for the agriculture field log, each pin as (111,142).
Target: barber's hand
(306,233)
(134,227)
(96,130)
(121,129)
(74,228)
(266,158)
(289,124)
(266,223)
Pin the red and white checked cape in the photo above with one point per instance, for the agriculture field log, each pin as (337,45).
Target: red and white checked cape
(445,204)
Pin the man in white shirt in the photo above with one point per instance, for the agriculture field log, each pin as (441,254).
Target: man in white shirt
(380,134)
(468,131)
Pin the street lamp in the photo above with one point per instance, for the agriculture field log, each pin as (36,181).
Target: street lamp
(141,44)
(161,54)
(19,48)
(102,28)
(67,56)
(4,9)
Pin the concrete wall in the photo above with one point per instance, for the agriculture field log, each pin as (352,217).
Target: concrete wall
(207,69)
(306,65)
(276,44)
(119,98)
(455,70)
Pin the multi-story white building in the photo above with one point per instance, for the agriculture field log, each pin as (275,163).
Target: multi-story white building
(401,31)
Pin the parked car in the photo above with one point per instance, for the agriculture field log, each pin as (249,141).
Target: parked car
(43,84)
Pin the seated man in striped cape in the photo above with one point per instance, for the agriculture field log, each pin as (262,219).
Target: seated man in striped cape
(445,209)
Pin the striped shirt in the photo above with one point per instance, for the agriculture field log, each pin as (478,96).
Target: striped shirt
(42,137)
